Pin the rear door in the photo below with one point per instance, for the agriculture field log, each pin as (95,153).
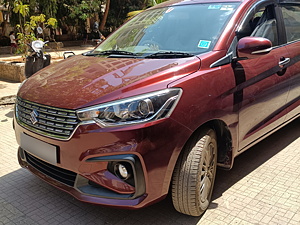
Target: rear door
(291,19)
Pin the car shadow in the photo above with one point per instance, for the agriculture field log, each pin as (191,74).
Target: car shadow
(25,199)
(8,115)
(255,157)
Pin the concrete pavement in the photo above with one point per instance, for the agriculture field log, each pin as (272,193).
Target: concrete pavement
(8,88)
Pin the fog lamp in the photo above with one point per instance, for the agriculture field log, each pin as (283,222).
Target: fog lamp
(123,171)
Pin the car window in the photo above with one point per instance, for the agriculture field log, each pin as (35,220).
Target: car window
(266,26)
(189,28)
(260,23)
(291,18)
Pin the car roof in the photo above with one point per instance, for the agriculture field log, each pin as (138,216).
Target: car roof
(189,2)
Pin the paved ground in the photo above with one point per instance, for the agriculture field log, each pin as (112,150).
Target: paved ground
(262,188)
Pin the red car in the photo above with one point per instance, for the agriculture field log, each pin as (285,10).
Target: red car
(180,89)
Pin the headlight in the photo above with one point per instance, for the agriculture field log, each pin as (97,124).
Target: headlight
(138,109)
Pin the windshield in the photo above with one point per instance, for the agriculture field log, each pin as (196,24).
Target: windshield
(182,31)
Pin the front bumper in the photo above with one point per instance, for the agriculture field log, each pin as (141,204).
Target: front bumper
(77,185)
(86,158)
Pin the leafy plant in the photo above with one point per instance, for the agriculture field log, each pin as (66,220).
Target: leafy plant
(26,28)
(22,10)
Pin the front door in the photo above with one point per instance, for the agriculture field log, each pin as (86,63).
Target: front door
(264,80)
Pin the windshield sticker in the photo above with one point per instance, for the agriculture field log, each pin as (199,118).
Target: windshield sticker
(227,7)
(204,44)
(169,10)
(214,6)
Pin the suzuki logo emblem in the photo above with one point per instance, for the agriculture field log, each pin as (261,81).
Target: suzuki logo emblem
(33,116)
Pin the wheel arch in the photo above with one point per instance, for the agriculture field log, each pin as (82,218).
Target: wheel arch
(224,141)
(189,160)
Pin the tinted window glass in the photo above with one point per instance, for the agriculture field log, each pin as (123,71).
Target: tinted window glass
(291,16)
(260,22)
(266,25)
(190,28)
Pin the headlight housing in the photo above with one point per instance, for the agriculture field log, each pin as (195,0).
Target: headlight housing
(138,109)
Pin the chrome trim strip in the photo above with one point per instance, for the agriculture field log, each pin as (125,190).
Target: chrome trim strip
(46,106)
(47,113)
(262,51)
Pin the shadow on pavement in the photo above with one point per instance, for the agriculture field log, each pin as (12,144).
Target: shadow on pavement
(25,199)
(255,157)
(10,114)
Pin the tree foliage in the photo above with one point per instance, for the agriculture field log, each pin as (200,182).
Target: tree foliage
(22,10)
(27,25)
(85,9)
(73,13)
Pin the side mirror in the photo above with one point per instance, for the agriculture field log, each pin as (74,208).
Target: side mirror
(253,47)
(68,54)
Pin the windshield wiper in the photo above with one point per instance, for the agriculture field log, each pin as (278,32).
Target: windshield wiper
(169,55)
(111,52)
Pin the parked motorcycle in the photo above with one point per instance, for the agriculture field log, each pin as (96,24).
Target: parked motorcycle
(37,60)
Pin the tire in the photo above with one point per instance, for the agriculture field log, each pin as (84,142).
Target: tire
(194,174)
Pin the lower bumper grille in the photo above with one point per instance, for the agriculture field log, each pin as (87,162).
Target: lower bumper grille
(64,176)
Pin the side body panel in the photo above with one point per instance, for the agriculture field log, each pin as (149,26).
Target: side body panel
(265,92)
(293,99)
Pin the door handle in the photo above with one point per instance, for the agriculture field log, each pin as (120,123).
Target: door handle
(284,62)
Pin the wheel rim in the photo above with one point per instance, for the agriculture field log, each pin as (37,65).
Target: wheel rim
(207,175)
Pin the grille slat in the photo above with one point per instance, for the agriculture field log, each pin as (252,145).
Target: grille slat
(64,176)
(50,121)
(49,112)
(41,127)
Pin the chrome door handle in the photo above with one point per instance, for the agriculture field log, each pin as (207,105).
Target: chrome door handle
(284,62)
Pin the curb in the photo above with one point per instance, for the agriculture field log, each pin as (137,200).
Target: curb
(8,100)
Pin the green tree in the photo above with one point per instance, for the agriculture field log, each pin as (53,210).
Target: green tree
(22,10)
(32,7)
(73,13)
(27,25)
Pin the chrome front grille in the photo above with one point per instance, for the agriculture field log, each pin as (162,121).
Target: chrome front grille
(49,121)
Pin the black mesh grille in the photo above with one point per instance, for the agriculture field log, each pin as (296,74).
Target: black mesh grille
(48,121)
(64,176)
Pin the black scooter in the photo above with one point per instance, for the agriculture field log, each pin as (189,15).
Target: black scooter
(37,60)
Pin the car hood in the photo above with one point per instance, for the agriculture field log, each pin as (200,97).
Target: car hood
(81,81)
